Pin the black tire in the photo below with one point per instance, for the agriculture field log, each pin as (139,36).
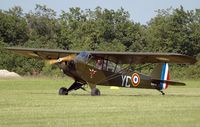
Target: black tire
(95,92)
(63,91)
(162,93)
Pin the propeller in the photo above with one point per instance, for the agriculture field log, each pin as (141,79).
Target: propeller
(63,59)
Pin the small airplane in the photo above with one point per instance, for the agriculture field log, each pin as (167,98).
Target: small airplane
(109,68)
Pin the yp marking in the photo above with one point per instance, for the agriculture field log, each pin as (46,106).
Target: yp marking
(133,80)
(126,81)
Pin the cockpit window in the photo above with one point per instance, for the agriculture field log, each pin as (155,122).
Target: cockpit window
(111,66)
(84,54)
(83,57)
(105,65)
(98,63)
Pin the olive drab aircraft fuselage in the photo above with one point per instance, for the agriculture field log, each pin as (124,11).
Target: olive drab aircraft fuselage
(109,68)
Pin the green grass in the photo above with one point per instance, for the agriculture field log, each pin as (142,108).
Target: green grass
(34,102)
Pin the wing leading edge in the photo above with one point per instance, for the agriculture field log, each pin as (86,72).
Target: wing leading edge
(117,57)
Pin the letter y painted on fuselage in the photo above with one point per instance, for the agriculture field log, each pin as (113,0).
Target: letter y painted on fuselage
(125,81)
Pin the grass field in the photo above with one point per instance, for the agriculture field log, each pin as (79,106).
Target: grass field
(35,102)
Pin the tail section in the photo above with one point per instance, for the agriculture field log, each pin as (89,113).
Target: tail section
(164,76)
(161,77)
(161,71)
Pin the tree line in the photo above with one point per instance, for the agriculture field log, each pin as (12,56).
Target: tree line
(171,30)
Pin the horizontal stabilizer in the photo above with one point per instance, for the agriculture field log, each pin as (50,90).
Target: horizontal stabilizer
(169,82)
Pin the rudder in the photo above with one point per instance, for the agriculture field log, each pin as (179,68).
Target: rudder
(161,72)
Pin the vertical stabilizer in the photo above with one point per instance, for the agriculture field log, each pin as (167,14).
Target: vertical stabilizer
(161,71)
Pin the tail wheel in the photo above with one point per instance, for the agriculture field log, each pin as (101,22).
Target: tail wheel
(95,92)
(162,93)
(63,91)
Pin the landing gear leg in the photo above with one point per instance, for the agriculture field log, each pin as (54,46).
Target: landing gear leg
(74,86)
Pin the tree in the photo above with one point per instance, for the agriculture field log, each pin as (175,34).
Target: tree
(13,27)
(90,30)
(171,32)
(195,36)
(43,28)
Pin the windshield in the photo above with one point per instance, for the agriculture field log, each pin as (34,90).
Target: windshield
(83,57)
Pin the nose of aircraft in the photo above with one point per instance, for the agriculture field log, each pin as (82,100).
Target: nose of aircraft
(81,57)
(63,59)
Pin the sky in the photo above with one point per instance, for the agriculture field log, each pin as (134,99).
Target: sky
(140,10)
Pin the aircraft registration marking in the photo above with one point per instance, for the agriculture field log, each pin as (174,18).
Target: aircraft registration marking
(125,81)
(133,80)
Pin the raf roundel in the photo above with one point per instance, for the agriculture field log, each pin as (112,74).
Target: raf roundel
(135,79)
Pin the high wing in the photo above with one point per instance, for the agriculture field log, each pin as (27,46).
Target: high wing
(117,57)
(45,54)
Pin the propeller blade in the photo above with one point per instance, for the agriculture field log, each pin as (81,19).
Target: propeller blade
(53,61)
(63,59)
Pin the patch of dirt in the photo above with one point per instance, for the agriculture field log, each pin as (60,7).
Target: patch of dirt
(7,74)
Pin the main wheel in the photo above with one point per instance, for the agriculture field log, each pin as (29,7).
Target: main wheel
(95,92)
(63,91)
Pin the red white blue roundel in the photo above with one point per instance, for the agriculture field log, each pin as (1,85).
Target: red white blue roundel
(135,79)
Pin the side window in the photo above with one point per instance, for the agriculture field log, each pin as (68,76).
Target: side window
(105,65)
(110,66)
(91,63)
(96,63)
(99,64)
